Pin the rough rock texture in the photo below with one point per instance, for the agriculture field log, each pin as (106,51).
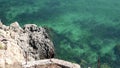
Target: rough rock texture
(24,44)
(21,47)
(35,42)
(50,63)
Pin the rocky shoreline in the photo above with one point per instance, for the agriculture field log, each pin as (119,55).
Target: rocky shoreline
(18,45)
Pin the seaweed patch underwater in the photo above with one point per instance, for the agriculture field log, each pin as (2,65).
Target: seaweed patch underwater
(82,30)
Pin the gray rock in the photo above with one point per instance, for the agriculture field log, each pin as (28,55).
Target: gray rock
(35,42)
(24,45)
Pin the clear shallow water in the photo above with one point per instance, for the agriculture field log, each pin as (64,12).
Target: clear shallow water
(82,30)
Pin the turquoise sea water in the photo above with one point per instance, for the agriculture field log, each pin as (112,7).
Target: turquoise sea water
(83,31)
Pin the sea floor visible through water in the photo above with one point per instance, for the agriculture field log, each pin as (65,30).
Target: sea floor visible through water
(82,30)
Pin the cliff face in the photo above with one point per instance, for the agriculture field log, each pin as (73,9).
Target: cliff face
(24,44)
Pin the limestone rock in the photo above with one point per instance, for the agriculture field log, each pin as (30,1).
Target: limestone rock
(35,43)
(15,27)
(50,63)
(24,44)
(28,44)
